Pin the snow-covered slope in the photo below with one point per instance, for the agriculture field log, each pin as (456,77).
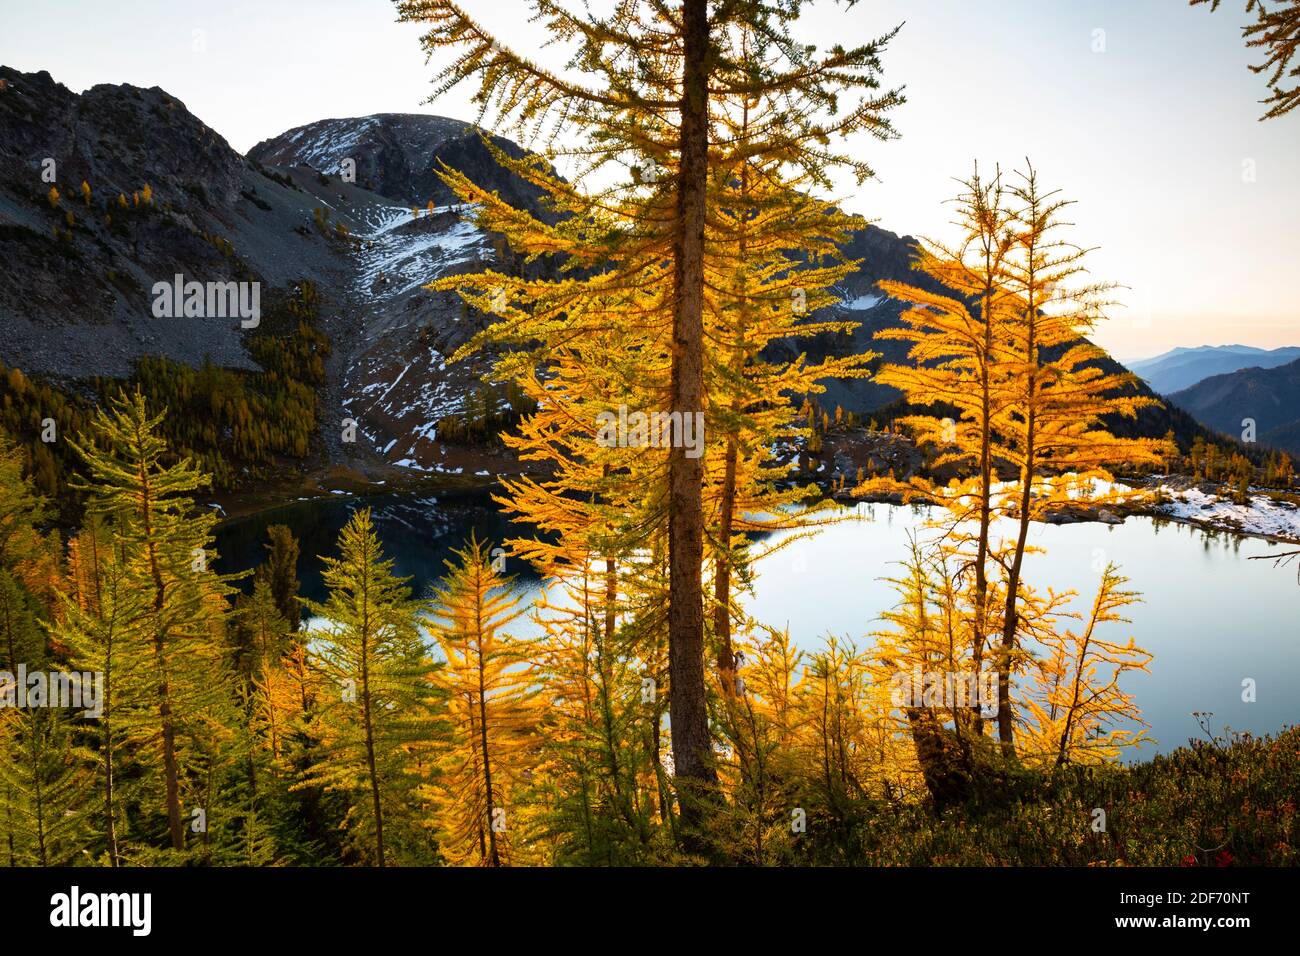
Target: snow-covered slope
(395,260)
(398,383)
(395,378)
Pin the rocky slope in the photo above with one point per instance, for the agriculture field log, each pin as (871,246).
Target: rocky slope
(76,299)
(394,380)
(77,296)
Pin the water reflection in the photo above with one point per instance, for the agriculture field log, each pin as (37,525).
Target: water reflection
(1211,617)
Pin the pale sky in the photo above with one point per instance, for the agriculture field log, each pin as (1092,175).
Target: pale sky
(1142,110)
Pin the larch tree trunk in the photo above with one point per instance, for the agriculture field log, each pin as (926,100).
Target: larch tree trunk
(367,717)
(171,768)
(688,713)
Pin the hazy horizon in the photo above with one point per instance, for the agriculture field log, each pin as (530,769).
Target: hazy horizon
(1151,125)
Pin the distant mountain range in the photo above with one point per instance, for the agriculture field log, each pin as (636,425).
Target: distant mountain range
(1182,368)
(75,301)
(1269,396)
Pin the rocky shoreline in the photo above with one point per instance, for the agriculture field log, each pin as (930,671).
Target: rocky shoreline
(1271,515)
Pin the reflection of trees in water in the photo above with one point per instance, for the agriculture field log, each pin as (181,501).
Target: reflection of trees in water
(417,532)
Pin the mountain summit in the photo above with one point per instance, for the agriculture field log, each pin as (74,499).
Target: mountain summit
(397,155)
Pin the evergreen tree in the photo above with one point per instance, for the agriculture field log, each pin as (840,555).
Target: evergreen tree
(281,571)
(22,508)
(1009,355)
(757,826)
(377,712)
(102,616)
(602,784)
(483,763)
(176,703)
(953,363)
(1055,435)
(43,783)
(1077,712)
(657,80)
(21,640)
(1276,31)
(273,700)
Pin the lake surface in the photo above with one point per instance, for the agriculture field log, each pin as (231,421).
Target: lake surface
(1211,617)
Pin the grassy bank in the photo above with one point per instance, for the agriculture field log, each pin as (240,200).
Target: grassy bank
(1214,803)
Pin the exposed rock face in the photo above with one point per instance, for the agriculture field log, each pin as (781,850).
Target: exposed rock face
(396,381)
(883,255)
(77,300)
(391,150)
(111,136)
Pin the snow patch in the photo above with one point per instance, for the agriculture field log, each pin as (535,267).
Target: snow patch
(1264,515)
(406,261)
(862,303)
